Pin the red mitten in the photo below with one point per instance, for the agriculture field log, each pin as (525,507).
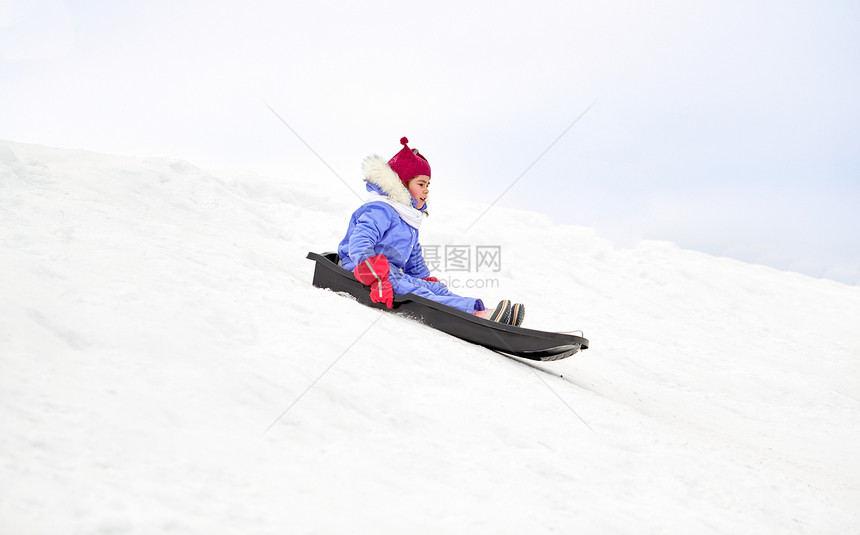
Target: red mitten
(431,279)
(382,292)
(374,273)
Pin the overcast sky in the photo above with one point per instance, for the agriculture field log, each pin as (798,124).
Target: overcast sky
(728,127)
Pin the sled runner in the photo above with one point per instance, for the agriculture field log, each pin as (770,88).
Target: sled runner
(516,341)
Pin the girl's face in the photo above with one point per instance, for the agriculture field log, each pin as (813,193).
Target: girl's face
(419,188)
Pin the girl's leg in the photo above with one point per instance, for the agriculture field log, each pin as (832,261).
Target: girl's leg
(435,291)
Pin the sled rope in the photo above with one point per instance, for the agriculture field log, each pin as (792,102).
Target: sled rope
(582,334)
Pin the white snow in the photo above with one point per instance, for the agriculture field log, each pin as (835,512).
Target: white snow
(157,319)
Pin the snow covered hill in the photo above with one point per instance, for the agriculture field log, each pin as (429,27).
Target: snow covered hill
(166,366)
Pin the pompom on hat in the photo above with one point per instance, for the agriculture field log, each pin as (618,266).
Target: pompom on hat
(409,163)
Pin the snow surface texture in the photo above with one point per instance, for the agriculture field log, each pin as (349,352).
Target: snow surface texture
(157,319)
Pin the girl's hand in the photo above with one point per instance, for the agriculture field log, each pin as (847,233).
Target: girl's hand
(374,273)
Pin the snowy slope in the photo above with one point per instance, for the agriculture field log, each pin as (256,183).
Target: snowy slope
(158,319)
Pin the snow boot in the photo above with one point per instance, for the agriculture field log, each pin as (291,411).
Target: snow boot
(500,314)
(518,314)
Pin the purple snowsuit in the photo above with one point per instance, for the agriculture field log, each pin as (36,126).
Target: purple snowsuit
(377,228)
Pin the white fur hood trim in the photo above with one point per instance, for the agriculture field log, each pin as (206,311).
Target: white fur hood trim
(379,173)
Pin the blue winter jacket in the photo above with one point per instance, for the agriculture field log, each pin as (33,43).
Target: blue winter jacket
(377,228)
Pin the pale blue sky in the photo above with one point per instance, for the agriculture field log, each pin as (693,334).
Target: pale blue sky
(727,127)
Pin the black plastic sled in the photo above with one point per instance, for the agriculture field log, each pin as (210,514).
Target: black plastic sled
(516,341)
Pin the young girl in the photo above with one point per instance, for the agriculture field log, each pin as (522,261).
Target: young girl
(381,244)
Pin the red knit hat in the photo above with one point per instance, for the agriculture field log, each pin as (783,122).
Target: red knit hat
(408,163)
